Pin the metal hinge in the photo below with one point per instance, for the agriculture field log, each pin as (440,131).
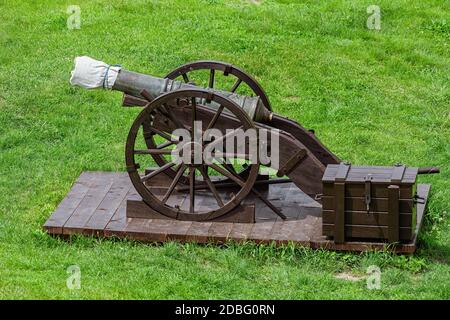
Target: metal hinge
(368,191)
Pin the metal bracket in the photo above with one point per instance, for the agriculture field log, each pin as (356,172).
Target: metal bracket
(418,199)
(228,70)
(148,134)
(209,97)
(368,191)
(132,101)
(292,163)
(147,95)
(133,168)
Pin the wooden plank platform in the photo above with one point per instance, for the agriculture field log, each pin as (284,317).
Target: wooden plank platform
(97,206)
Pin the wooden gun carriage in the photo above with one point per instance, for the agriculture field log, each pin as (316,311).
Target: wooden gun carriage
(359,203)
(176,104)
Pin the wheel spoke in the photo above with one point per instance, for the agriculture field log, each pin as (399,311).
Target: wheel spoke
(236,85)
(161,133)
(153,151)
(230,155)
(227,174)
(229,167)
(194,117)
(164,145)
(172,117)
(158,171)
(192,189)
(269,204)
(211,78)
(225,136)
(172,186)
(256,193)
(222,184)
(211,186)
(214,119)
(185,77)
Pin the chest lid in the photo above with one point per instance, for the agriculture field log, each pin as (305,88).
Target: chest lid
(398,174)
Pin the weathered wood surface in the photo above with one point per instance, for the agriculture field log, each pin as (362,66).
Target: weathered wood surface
(388,213)
(97,205)
(380,174)
(242,214)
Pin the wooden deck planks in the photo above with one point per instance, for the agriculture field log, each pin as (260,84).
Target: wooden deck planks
(240,231)
(282,231)
(97,205)
(99,187)
(262,232)
(118,223)
(198,232)
(54,225)
(109,205)
(219,231)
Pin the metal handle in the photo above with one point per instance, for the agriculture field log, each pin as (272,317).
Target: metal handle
(429,170)
(418,199)
(368,191)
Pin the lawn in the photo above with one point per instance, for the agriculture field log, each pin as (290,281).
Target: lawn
(373,97)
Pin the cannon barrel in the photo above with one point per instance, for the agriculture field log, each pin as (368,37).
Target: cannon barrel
(91,74)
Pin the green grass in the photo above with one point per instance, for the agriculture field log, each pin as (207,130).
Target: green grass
(374,98)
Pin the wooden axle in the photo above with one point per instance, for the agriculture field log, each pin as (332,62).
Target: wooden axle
(221,184)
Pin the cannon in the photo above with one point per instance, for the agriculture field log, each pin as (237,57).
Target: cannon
(176,101)
(212,102)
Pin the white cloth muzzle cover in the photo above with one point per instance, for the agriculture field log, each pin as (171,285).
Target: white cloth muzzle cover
(91,74)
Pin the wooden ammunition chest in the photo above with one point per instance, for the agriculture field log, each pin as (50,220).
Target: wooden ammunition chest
(366,202)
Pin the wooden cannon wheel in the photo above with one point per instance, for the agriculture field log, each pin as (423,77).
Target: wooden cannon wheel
(184,173)
(227,69)
(212,68)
